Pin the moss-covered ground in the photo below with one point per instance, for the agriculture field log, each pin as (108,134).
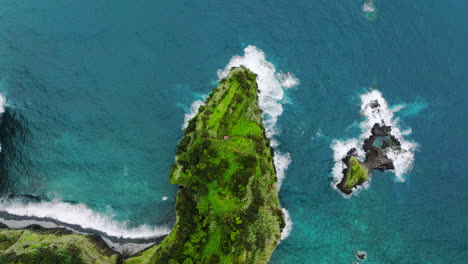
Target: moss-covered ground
(227,205)
(52,247)
(357,174)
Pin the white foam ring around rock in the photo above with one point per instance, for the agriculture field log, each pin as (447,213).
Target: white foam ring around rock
(383,115)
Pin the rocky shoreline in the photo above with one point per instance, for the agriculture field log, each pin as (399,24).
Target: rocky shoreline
(374,147)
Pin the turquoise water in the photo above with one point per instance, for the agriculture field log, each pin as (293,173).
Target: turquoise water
(97,94)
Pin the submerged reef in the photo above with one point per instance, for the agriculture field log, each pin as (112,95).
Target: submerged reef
(358,172)
(227,208)
(227,203)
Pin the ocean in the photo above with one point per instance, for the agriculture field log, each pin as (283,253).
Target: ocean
(95,95)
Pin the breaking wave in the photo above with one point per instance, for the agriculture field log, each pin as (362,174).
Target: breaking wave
(288,227)
(193,111)
(81,215)
(383,115)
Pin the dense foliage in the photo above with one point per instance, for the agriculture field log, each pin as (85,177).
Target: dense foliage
(53,246)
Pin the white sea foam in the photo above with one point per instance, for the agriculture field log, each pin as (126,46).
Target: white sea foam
(288,227)
(368,7)
(397,108)
(281,161)
(3,102)
(383,115)
(80,214)
(193,111)
(288,80)
(410,109)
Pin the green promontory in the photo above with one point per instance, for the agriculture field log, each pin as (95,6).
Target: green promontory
(227,203)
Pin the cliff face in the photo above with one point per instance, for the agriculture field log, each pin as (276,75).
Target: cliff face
(227,203)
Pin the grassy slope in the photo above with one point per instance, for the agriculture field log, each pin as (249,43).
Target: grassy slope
(52,246)
(357,174)
(229,211)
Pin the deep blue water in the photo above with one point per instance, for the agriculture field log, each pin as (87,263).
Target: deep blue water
(95,90)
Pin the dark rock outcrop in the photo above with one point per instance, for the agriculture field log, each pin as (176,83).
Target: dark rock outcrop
(361,255)
(374,147)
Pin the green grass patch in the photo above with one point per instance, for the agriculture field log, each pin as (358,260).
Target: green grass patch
(357,173)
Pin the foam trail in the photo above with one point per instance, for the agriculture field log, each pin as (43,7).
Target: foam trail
(411,109)
(80,214)
(383,115)
(288,227)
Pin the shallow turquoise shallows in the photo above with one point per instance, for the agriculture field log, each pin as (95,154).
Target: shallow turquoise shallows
(97,92)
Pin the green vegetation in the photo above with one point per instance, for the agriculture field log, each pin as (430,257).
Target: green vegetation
(53,246)
(357,174)
(227,205)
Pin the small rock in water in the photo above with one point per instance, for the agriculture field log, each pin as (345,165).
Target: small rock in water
(374,104)
(361,255)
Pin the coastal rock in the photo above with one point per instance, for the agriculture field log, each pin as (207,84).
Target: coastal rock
(375,146)
(361,255)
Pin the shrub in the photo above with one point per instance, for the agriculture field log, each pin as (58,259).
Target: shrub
(191,126)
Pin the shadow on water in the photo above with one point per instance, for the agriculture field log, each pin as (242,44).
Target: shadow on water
(12,131)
